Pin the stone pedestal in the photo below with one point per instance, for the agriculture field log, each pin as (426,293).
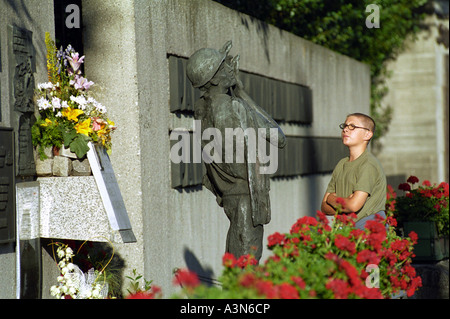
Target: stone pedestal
(71,208)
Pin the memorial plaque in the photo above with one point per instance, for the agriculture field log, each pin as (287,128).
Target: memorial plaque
(7,201)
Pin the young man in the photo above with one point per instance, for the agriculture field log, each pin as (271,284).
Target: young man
(358,183)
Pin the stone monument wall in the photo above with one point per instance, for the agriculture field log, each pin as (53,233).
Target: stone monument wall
(22,64)
(128,46)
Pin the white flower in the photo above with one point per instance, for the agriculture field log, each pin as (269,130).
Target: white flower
(97,105)
(70,266)
(56,103)
(72,291)
(61,253)
(80,100)
(64,270)
(54,290)
(69,251)
(44,86)
(87,294)
(64,104)
(96,293)
(43,104)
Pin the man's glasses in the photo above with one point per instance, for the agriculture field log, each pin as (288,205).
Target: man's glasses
(351,127)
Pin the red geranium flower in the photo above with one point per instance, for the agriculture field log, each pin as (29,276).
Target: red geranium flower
(145,294)
(340,201)
(412,180)
(247,280)
(228,260)
(303,224)
(246,260)
(339,287)
(413,236)
(368,256)
(275,239)
(344,243)
(426,183)
(287,291)
(299,282)
(404,187)
(186,278)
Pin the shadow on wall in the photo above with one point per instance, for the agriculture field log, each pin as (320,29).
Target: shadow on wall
(205,274)
(262,28)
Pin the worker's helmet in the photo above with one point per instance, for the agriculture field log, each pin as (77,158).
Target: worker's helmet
(204,63)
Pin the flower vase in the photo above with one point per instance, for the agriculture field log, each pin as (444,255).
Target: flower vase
(55,151)
(430,246)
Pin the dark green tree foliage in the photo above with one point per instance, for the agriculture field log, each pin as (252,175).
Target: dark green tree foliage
(340,25)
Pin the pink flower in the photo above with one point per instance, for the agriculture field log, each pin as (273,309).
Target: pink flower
(98,124)
(75,62)
(81,83)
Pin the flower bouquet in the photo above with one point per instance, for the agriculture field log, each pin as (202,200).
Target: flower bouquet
(73,283)
(69,116)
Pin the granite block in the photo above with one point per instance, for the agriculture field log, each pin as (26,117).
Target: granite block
(81,168)
(62,166)
(71,208)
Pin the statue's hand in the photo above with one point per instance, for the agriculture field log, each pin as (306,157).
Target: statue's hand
(235,63)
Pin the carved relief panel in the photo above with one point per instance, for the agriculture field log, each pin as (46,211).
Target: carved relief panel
(21,72)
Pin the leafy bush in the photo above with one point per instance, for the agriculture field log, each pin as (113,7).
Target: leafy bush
(427,202)
(319,260)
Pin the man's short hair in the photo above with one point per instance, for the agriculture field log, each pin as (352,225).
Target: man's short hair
(367,120)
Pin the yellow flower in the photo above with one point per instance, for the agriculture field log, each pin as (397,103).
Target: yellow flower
(84,127)
(72,114)
(112,125)
(47,123)
(103,135)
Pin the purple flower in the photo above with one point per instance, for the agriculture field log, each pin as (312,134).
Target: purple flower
(75,62)
(81,83)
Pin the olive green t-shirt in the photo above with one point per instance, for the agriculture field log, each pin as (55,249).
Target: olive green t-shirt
(363,174)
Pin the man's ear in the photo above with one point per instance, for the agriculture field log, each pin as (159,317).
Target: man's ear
(368,136)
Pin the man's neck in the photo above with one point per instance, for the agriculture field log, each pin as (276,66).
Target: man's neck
(356,151)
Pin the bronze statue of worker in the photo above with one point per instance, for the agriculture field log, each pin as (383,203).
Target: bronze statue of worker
(239,186)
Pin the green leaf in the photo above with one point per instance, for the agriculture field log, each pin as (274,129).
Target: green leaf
(69,137)
(79,145)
